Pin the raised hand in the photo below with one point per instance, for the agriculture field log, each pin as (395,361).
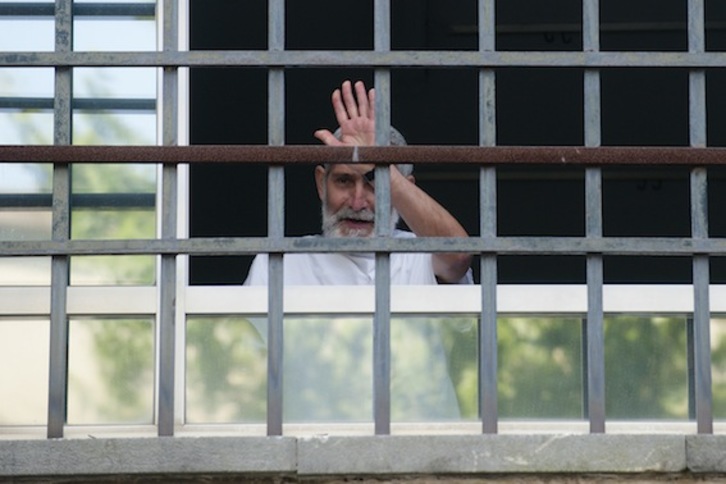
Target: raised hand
(355,111)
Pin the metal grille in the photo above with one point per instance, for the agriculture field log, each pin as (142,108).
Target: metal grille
(276,59)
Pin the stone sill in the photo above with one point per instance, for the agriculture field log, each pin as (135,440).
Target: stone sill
(377,456)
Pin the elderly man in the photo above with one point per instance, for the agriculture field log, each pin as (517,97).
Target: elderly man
(327,364)
(348,203)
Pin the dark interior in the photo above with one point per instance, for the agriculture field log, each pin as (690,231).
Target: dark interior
(541,106)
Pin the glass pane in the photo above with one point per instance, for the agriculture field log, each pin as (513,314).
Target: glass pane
(26,127)
(24,363)
(26,81)
(114,128)
(328,373)
(115,82)
(113,202)
(25,178)
(25,201)
(226,363)
(23,34)
(93,34)
(24,271)
(135,270)
(433,368)
(114,1)
(540,368)
(718,366)
(110,371)
(16,225)
(19,122)
(646,369)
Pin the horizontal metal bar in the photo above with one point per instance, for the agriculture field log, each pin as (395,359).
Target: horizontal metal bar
(99,104)
(95,201)
(306,154)
(636,246)
(100,9)
(352,58)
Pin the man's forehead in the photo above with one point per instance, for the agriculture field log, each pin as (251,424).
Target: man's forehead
(350,168)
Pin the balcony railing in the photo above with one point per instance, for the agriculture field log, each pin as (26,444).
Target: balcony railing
(487,300)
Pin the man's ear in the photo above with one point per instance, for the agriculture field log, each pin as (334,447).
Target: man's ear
(411,178)
(320,180)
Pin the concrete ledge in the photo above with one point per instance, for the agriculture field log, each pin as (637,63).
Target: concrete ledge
(273,455)
(377,456)
(706,453)
(492,454)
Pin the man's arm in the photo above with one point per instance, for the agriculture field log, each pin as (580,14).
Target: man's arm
(355,112)
(428,218)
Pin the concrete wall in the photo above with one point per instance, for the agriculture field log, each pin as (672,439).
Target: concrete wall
(498,458)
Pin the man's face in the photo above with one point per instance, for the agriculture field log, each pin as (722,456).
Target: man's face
(348,200)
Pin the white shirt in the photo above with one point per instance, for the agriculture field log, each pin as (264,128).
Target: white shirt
(348,268)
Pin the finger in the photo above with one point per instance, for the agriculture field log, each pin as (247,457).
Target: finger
(362,97)
(327,137)
(372,104)
(350,105)
(341,114)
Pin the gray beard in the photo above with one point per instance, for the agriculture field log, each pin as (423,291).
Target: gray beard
(331,222)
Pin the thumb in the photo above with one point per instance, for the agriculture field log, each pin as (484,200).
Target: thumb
(327,137)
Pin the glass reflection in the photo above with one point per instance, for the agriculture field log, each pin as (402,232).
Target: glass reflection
(540,367)
(110,371)
(327,369)
(24,344)
(646,368)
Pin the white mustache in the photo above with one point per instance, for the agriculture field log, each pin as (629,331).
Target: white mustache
(347,213)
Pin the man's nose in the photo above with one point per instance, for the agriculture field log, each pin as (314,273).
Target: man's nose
(360,196)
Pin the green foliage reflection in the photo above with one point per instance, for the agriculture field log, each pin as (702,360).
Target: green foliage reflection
(111,374)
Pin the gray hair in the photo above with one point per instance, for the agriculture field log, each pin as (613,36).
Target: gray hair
(397,139)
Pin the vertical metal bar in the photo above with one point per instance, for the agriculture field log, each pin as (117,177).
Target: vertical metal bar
(701,309)
(382,317)
(691,360)
(699,226)
(488,325)
(585,372)
(595,334)
(276,223)
(60,270)
(168,213)
(488,227)
(594,357)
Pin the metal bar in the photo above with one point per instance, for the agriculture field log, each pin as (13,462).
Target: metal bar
(691,362)
(350,59)
(701,305)
(488,350)
(593,341)
(276,223)
(702,345)
(591,25)
(585,370)
(382,316)
(699,226)
(644,246)
(97,104)
(595,350)
(95,201)
(168,209)
(60,270)
(25,9)
(304,154)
